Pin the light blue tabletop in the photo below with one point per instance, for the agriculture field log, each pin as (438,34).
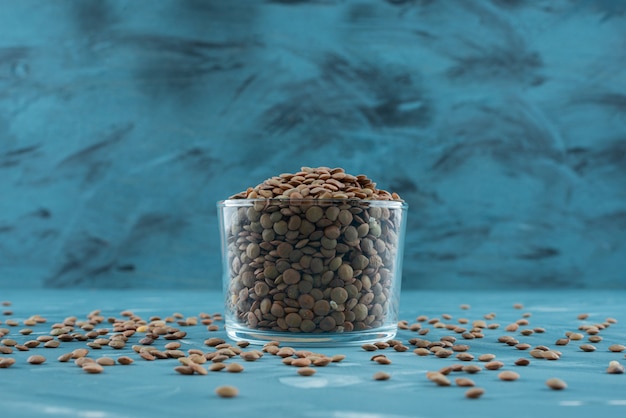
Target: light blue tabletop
(345,389)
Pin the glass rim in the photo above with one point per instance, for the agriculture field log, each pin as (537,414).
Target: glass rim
(395,204)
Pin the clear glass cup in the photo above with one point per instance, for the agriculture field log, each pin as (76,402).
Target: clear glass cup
(311,271)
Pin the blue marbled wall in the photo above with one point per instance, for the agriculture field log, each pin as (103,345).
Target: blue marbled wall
(502,123)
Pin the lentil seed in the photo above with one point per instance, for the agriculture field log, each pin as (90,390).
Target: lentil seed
(125,360)
(587,347)
(6,362)
(472,368)
(105,361)
(227,391)
(36,359)
(508,376)
(216,367)
(474,393)
(306,371)
(64,357)
(234,368)
(486,357)
(556,383)
(381,376)
(615,367)
(464,382)
(439,378)
(494,365)
(92,368)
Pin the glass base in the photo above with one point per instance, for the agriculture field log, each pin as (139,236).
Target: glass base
(330,339)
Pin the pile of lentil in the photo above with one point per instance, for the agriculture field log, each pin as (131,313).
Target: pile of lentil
(315,251)
(459,343)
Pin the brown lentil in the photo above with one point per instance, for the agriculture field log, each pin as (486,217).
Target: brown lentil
(187,370)
(464,382)
(36,359)
(80,362)
(439,378)
(234,368)
(588,347)
(522,362)
(562,341)
(474,393)
(617,348)
(216,367)
(92,368)
(465,357)
(550,355)
(227,391)
(381,376)
(556,383)
(6,362)
(306,371)
(471,368)
(301,362)
(494,365)
(63,358)
(8,342)
(52,344)
(250,356)
(125,360)
(198,368)
(382,360)
(508,375)
(105,361)
(615,368)
(400,348)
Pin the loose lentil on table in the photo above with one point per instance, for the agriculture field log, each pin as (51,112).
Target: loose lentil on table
(194,360)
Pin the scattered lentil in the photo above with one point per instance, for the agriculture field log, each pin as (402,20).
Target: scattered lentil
(306,371)
(508,375)
(125,360)
(105,361)
(36,359)
(439,378)
(588,347)
(464,382)
(6,362)
(556,383)
(381,376)
(234,368)
(615,367)
(617,348)
(227,391)
(494,365)
(474,393)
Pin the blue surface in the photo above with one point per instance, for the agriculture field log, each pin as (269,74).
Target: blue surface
(339,390)
(500,122)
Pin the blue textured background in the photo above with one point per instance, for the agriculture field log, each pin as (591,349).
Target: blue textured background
(502,123)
